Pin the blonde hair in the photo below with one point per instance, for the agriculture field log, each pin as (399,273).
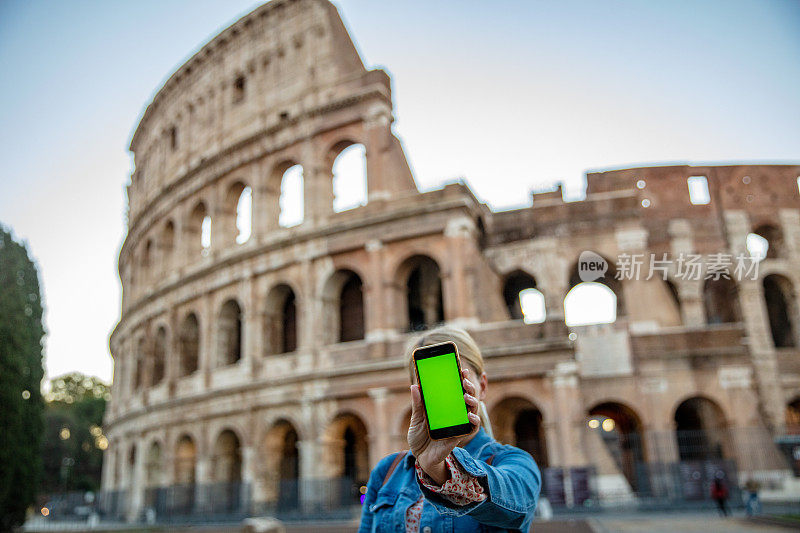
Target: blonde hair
(468,351)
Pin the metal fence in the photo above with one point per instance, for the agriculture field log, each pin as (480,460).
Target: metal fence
(662,470)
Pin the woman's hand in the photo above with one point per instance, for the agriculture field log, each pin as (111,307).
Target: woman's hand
(431,453)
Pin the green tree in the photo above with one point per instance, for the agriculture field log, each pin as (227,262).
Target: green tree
(74,442)
(21,404)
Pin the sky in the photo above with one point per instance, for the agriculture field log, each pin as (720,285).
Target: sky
(510,96)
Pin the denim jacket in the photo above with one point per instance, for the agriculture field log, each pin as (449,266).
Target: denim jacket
(511,483)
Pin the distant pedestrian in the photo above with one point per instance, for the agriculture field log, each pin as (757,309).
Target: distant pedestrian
(753,505)
(719,491)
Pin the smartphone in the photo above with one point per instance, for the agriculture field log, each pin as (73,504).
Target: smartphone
(439,376)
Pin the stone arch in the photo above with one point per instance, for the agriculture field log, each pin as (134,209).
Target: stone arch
(701,429)
(141,359)
(232,214)
(721,301)
(159,356)
(346,456)
(286,186)
(619,430)
(226,457)
(185,460)
(672,289)
(154,465)
(189,344)
(280,464)
(131,468)
(194,229)
(582,291)
(230,332)
(146,263)
(281,319)
(343,307)
(520,422)
(772,233)
(347,161)
(166,246)
(420,280)
(793,416)
(515,284)
(782,311)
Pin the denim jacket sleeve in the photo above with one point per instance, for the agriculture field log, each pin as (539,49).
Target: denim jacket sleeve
(512,483)
(373,485)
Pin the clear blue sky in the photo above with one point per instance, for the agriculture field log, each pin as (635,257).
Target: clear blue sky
(509,95)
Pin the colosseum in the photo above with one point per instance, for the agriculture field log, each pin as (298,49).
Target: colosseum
(260,369)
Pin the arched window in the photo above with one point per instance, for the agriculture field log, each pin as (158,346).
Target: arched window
(721,300)
(159,357)
(153,466)
(185,461)
(281,462)
(590,303)
(291,199)
(773,237)
(230,333)
(227,462)
(349,176)
(619,429)
(423,284)
(519,422)
(597,301)
(700,429)
(167,246)
(281,320)
(793,417)
(523,300)
(351,462)
(351,310)
(237,214)
(781,310)
(343,307)
(198,230)
(244,215)
(141,357)
(147,260)
(190,344)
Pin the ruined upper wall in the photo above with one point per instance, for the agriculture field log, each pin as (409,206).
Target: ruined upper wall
(284,59)
(657,198)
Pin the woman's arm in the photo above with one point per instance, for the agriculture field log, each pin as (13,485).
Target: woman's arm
(512,484)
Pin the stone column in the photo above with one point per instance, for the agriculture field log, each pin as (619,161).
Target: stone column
(387,169)
(248,476)
(762,351)
(136,496)
(266,202)
(459,295)
(317,187)
(207,349)
(690,294)
(310,478)
(254,334)
(569,416)
(379,431)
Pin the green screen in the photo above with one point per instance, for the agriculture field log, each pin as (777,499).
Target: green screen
(441,387)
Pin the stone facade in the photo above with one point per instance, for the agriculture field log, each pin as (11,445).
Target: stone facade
(282,357)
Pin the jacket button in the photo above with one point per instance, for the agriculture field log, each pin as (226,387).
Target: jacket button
(426,529)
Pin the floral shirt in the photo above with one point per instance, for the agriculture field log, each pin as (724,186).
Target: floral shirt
(461,489)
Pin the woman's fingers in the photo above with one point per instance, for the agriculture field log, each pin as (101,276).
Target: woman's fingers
(468,386)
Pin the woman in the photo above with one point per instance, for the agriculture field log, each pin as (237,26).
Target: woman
(459,484)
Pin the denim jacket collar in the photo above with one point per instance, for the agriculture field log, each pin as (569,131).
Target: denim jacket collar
(480,439)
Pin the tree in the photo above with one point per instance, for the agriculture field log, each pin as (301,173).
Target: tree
(21,404)
(74,442)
